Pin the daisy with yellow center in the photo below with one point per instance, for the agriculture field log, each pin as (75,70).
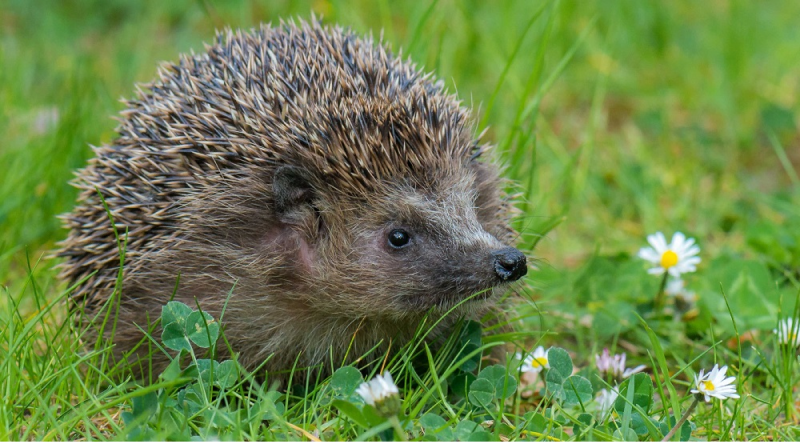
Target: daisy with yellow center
(675,258)
(788,332)
(707,385)
(715,384)
(534,362)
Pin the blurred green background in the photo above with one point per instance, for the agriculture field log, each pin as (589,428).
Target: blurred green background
(615,118)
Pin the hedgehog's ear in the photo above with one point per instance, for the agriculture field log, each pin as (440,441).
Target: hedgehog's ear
(293,194)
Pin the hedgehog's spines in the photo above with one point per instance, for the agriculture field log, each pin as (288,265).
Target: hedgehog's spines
(341,107)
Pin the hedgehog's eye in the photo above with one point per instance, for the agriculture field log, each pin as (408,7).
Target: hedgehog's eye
(399,238)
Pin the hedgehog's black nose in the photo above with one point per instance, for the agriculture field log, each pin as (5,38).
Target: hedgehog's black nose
(510,264)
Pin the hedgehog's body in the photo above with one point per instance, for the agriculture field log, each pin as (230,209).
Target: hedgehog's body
(332,190)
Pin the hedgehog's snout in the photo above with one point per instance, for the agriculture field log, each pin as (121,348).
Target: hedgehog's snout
(509,264)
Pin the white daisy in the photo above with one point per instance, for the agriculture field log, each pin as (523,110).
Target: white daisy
(534,362)
(679,256)
(606,364)
(677,289)
(788,332)
(378,389)
(605,402)
(715,384)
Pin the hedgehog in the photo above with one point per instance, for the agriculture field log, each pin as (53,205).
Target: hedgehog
(326,193)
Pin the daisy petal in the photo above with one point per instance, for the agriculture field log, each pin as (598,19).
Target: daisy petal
(677,241)
(648,254)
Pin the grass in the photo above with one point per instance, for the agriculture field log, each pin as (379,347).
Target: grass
(615,120)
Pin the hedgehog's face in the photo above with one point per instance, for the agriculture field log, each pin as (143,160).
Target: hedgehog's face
(409,248)
(429,249)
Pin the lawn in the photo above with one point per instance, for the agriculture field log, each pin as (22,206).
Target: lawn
(614,120)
